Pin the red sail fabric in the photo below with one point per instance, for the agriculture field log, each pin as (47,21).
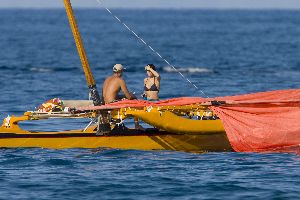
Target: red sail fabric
(142,103)
(258,122)
(263,127)
(265,121)
(275,96)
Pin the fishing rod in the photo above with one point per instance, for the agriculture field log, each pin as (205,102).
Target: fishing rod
(100,2)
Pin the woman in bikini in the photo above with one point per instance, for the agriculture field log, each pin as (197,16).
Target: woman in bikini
(151,84)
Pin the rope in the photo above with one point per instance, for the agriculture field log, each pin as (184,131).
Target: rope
(151,48)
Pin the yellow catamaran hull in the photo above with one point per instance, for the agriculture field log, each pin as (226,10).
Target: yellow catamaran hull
(148,140)
(210,135)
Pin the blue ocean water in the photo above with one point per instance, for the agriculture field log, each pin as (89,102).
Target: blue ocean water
(223,52)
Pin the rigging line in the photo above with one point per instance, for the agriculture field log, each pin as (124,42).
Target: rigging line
(151,48)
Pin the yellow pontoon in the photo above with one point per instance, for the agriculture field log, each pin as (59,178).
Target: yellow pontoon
(174,130)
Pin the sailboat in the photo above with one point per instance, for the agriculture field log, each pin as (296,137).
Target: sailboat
(182,124)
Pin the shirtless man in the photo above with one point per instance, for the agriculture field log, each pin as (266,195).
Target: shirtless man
(113,84)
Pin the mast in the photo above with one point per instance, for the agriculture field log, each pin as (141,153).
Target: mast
(84,61)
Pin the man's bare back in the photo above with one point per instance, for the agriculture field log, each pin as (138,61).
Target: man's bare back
(112,86)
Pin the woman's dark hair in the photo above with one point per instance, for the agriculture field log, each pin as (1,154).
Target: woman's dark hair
(152,66)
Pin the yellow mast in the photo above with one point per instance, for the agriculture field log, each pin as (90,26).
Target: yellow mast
(84,61)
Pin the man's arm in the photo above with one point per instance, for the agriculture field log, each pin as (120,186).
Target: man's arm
(127,94)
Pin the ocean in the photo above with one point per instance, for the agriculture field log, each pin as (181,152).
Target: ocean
(223,52)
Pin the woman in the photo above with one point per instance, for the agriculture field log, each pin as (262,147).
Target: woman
(151,84)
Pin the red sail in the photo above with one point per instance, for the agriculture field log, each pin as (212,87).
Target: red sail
(267,121)
(258,122)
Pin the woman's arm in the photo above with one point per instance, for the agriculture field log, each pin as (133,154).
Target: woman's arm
(155,73)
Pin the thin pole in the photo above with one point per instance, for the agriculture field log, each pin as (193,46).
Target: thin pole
(150,47)
(84,61)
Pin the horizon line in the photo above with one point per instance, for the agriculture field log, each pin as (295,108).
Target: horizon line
(154,8)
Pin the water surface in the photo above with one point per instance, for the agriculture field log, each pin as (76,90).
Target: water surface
(222,52)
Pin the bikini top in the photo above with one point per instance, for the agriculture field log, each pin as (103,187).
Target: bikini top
(152,87)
